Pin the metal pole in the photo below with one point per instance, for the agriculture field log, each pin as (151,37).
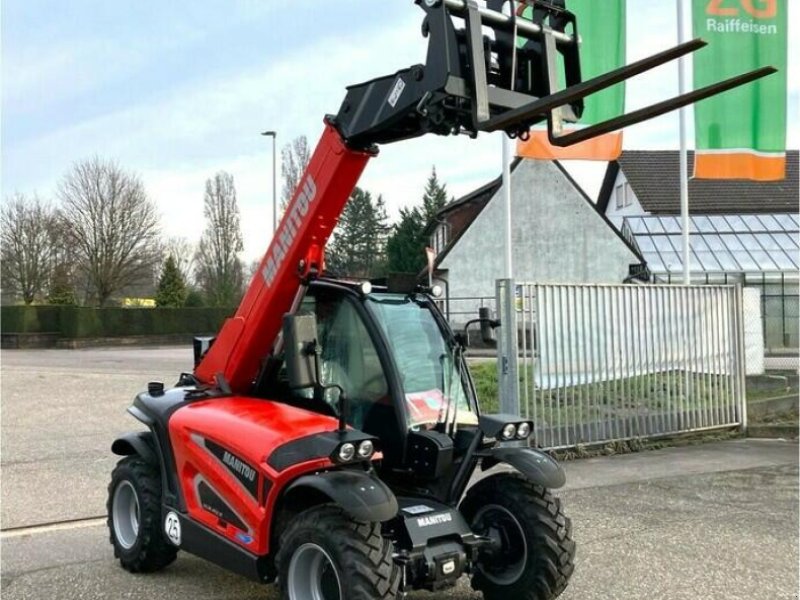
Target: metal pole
(684,176)
(274,135)
(506,292)
(274,184)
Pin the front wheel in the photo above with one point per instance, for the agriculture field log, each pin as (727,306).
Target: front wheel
(326,555)
(134,517)
(533,552)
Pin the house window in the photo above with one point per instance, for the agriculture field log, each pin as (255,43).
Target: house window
(439,238)
(628,194)
(620,195)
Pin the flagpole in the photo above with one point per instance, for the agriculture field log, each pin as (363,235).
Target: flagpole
(507,264)
(684,175)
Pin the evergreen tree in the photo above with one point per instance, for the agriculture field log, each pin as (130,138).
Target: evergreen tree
(358,246)
(406,245)
(403,249)
(171,291)
(194,298)
(61,289)
(434,198)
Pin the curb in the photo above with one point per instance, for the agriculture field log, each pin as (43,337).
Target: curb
(787,431)
(779,404)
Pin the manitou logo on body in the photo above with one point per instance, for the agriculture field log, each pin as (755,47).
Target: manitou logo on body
(299,209)
(434,520)
(237,465)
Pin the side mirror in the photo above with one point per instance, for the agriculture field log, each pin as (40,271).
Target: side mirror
(201,345)
(301,349)
(487,326)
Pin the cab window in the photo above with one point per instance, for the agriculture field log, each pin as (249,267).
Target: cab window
(349,357)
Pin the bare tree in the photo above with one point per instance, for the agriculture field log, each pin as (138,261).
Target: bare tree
(67,281)
(294,159)
(26,246)
(112,225)
(182,252)
(218,269)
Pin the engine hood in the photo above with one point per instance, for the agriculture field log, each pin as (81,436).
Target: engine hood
(251,427)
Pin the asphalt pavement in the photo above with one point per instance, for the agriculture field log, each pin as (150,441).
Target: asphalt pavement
(717,520)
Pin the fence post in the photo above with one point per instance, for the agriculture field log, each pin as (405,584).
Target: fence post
(507,350)
(739,350)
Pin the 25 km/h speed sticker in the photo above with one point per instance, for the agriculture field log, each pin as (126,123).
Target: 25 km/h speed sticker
(172,527)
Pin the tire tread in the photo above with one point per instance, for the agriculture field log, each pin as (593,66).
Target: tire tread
(553,551)
(365,556)
(152,552)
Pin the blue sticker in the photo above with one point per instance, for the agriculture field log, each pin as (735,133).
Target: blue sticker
(244,538)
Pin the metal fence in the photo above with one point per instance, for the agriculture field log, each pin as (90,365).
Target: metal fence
(780,304)
(598,363)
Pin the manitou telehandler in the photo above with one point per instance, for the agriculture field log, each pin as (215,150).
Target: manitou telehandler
(329,435)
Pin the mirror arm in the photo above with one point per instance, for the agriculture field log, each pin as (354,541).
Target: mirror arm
(319,388)
(493,323)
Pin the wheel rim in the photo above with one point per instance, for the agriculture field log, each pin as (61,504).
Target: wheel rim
(312,575)
(125,514)
(507,564)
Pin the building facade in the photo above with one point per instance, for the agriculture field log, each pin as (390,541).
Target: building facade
(557,237)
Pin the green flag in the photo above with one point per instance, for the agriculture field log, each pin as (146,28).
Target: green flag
(741,134)
(601,26)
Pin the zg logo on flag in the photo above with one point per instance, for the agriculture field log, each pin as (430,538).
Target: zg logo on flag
(766,9)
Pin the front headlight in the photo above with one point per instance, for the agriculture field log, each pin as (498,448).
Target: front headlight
(347,452)
(365,449)
(523,430)
(509,431)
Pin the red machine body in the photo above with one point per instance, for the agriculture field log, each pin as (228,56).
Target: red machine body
(249,429)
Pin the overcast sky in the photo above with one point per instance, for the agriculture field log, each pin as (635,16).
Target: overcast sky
(179,90)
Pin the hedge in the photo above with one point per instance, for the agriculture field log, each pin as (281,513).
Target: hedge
(86,322)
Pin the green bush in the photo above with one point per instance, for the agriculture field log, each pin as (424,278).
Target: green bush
(86,322)
(30,319)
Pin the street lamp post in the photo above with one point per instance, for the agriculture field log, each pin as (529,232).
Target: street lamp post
(273,135)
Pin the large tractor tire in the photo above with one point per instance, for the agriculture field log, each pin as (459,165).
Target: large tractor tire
(534,552)
(326,555)
(134,517)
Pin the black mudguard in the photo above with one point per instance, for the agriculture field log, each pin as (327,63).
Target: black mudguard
(537,466)
(362,496)
(136,442)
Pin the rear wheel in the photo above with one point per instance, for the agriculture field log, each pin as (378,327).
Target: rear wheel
(134,517)
(326,555)
(533,550)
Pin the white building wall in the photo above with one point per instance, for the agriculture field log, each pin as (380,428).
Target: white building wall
(631,206)
(558,237)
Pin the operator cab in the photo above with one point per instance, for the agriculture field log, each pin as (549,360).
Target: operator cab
(402,370)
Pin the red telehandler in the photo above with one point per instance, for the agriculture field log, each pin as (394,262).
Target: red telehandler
(328,436)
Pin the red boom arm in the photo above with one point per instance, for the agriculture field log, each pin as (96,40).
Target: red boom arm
(297,248)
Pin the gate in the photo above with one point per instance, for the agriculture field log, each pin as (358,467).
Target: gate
(599,363)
